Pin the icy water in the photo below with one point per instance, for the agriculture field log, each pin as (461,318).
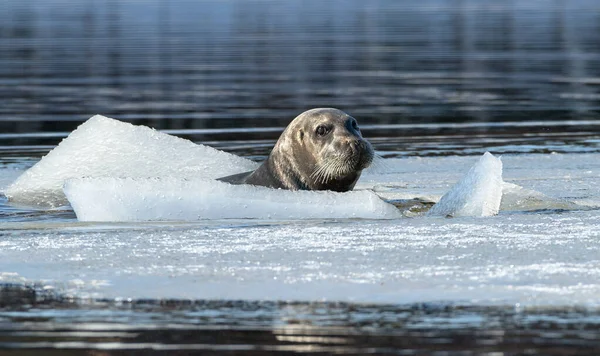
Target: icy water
(434,84)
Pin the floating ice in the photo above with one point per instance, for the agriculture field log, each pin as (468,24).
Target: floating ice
(107,147)
(478,193)
(532,259)
(145,199)
(517,198)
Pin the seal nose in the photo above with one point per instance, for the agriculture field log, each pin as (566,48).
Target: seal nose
(352,126)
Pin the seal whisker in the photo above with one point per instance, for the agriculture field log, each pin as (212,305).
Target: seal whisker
(323,172)
(333,167)
(318,173)
(378,164)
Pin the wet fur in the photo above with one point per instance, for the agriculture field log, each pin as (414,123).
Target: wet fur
(303,160)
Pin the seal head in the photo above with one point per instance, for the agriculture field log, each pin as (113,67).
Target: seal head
(321,149)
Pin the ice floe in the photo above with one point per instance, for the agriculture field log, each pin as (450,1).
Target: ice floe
(517,198)
(172,198)
(143,199)
(106,147)
(115,171)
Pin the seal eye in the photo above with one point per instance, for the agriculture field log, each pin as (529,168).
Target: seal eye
(355,125)
(322,130)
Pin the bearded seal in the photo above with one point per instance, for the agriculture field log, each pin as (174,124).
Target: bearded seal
(321,149)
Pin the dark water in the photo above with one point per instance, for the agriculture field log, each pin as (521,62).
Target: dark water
(39,322)
(422,77)
(429,77)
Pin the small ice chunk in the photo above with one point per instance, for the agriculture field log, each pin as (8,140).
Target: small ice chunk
(174,199)
(106,147)
(478,193)
(517,198)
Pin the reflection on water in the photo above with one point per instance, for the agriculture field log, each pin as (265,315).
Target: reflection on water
(216,65)
(267,328)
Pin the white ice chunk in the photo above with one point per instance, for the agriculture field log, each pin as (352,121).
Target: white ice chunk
(105,147)
(138,199)
(478,193)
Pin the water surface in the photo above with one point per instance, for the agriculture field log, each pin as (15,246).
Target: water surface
(528,74)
